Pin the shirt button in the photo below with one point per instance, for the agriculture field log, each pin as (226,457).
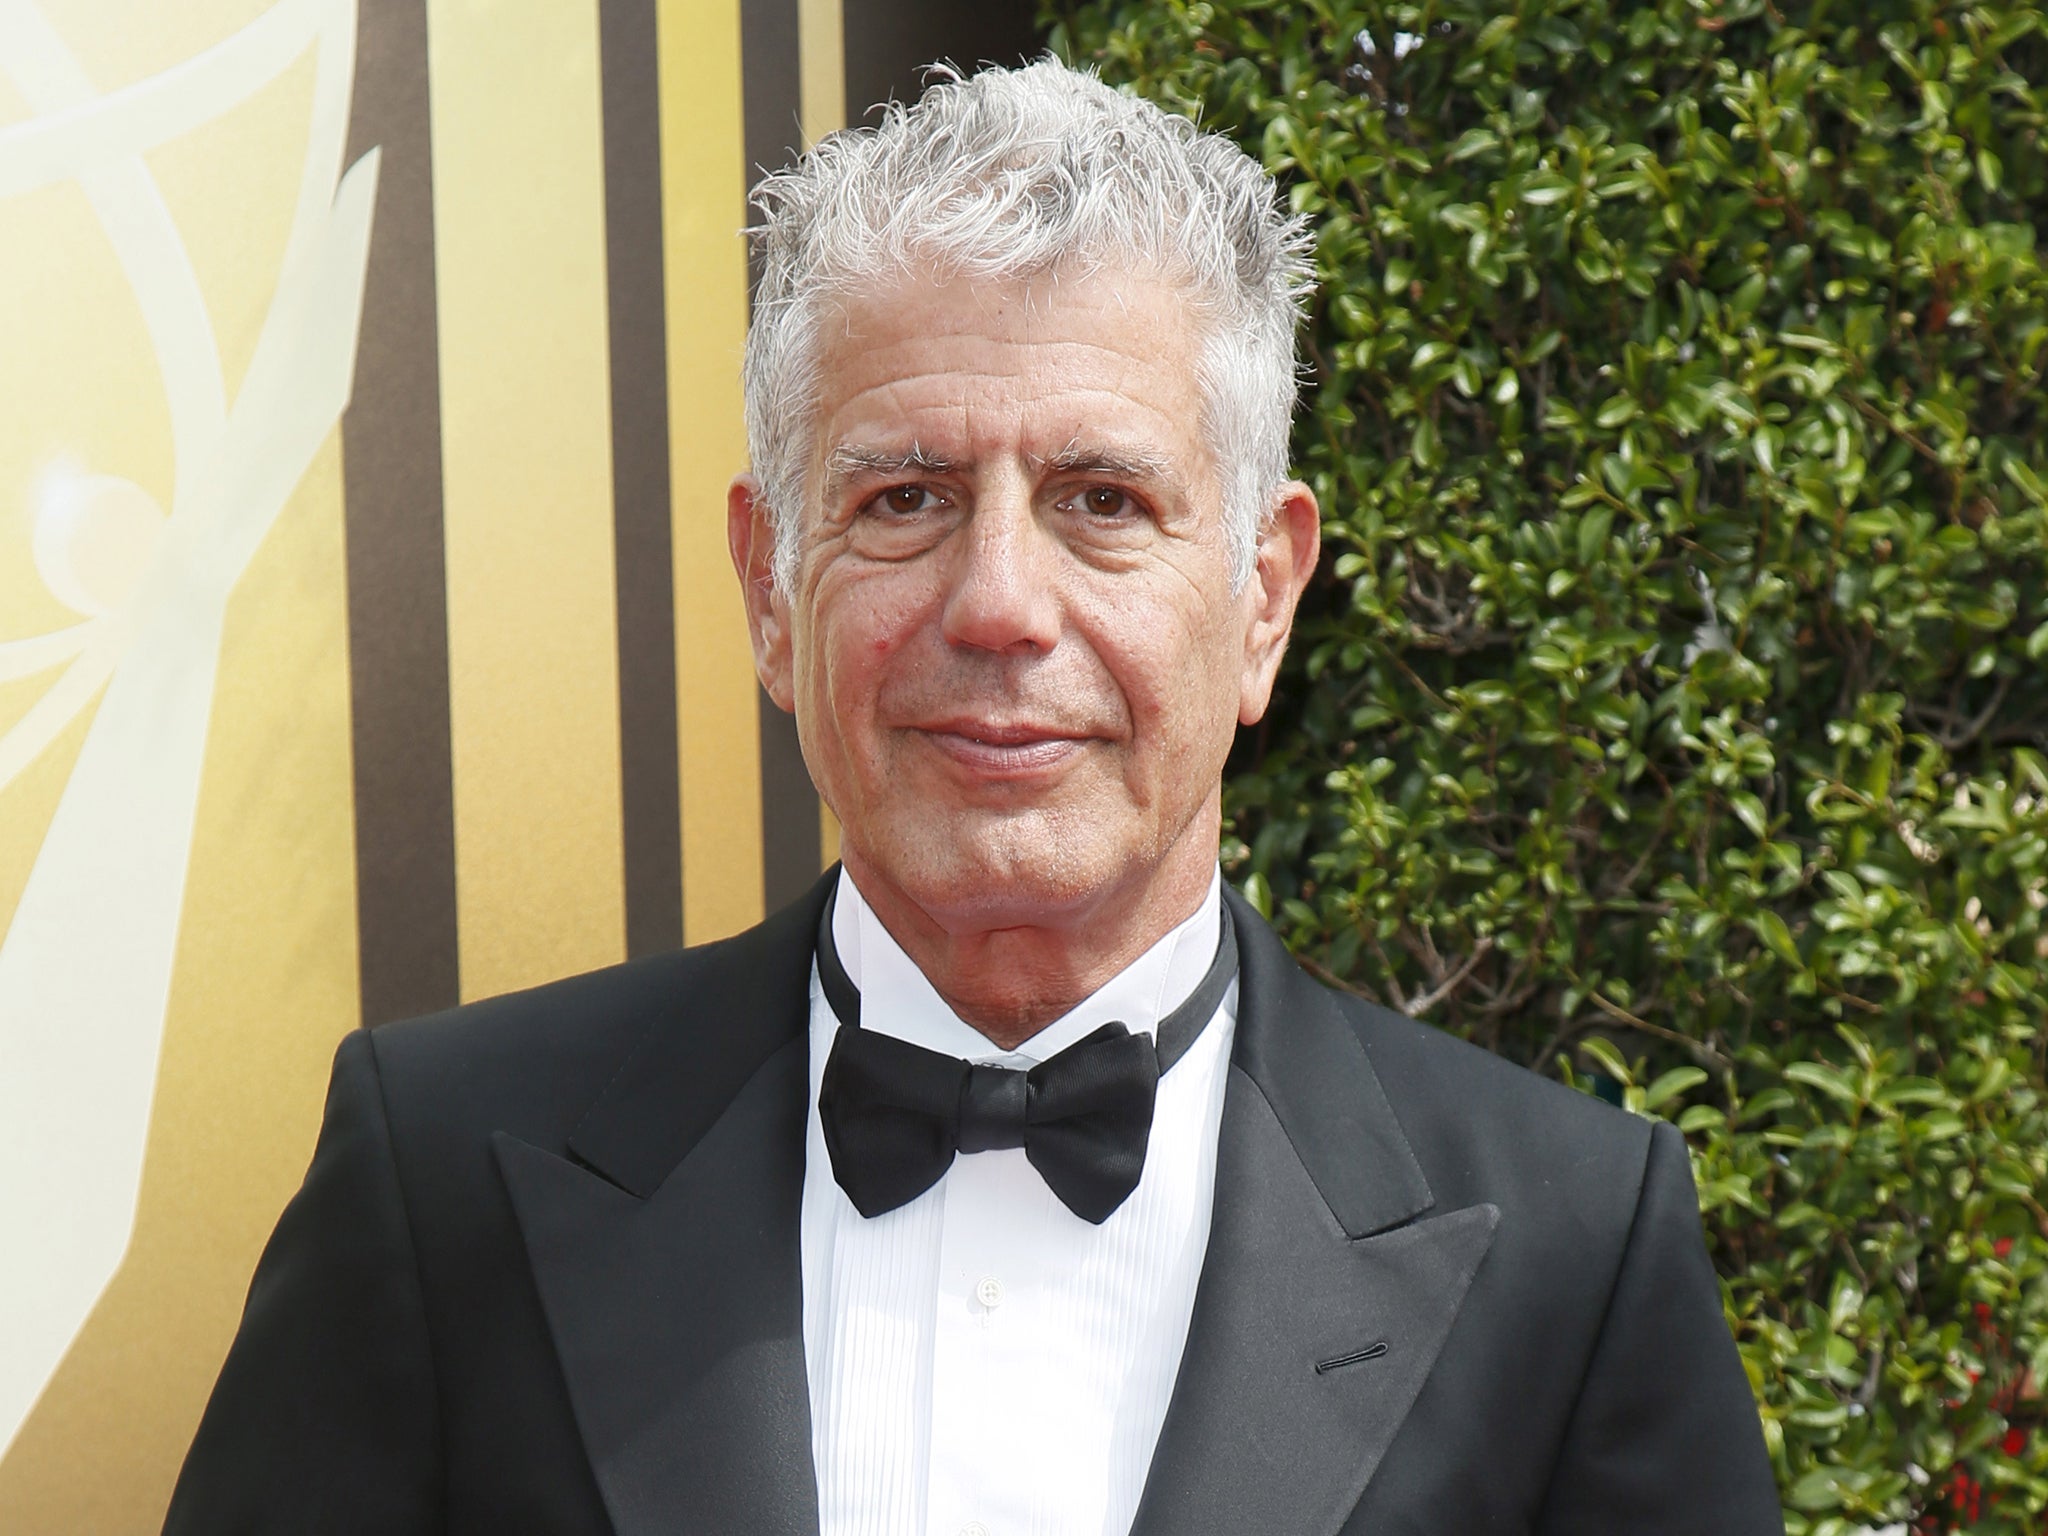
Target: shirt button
(990,1294)
(974,1528)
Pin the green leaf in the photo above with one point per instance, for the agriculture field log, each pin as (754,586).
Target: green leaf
(1493,34)
(1427,447)
(1542,191)
(1593,530)
(1474,141)
(1777,938)
(1616,411)
(1669,1085)
(1749,810)
(1259,894)
(1608,1059)
(2023,476)
(1816,1074)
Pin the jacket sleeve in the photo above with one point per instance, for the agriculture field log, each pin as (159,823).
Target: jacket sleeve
(1665,1436)
(324,1418)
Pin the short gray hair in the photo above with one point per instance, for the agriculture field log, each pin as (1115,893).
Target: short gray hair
(1008,175)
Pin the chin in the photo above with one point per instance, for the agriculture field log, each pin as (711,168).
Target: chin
(1017,870)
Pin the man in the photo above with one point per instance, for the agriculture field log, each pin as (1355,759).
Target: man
(1015,1180)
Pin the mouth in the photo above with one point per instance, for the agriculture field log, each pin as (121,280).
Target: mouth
(1004,750)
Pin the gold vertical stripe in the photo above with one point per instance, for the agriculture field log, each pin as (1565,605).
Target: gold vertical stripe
(828,836)
(821,48)
(264,985)
(519,246)
(703,172)
(821,66)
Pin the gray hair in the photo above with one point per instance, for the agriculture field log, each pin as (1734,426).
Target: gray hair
(1013,174)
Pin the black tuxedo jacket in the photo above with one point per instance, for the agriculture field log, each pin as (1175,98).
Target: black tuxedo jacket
(544,1276)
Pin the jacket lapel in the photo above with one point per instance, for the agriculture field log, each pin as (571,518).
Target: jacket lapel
(666,1252)
(667,1256)
(1323,1301)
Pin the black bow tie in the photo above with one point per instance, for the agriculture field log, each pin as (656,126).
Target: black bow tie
(894,1113)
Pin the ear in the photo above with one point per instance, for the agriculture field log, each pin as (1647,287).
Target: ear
(750,535)
(1289,541)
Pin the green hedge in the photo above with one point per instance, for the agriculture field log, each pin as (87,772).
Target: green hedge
(1670,711)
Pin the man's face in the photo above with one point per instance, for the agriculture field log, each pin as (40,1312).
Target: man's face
(1012,647)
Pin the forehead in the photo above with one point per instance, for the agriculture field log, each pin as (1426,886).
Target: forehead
(962,368)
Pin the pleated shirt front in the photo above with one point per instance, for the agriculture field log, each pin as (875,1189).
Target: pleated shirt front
(983,1362)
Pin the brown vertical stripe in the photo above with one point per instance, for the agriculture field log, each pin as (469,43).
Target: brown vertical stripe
(397,589)
(772,80)
(889,42)
(640,477)
(789,811)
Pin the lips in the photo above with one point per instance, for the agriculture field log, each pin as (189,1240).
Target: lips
(989,733)
(1005,749)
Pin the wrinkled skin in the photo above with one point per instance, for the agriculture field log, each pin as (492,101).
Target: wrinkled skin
(1012,646)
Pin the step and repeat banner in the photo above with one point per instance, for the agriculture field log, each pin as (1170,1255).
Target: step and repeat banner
(368,393)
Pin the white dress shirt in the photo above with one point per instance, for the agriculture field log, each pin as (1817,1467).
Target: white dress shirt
(982,1361)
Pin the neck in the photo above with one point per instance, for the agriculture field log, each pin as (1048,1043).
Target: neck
(1010,981)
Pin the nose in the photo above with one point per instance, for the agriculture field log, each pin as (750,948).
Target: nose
(1001,595)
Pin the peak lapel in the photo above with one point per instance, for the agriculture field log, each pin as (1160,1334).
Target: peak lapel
(1323,1302)
(668,1259)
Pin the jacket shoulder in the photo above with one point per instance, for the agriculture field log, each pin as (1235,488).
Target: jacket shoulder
(524,1060)
(1481,1129)
(1485,1128)
(693,1021)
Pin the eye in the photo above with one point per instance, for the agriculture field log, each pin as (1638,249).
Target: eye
(905,500)
(1105,501)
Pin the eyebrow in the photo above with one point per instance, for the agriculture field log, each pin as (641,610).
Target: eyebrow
(848,463)
(1079,459)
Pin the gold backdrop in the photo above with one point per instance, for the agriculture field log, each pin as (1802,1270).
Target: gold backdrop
(368,391)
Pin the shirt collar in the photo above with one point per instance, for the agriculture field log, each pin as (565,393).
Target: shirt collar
(897,999)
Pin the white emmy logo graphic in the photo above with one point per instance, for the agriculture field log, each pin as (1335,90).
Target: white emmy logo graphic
(85,966)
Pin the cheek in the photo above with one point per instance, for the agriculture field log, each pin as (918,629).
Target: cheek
(1179,684)
(1190,678)
(863,629)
